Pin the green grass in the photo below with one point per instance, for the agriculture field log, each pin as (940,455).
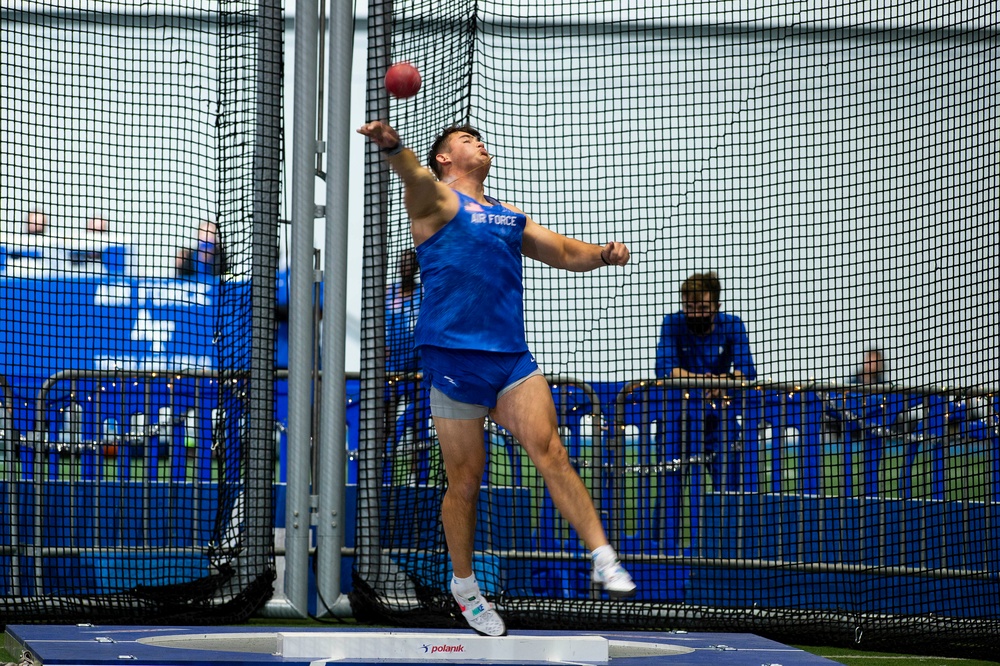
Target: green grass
(965,468)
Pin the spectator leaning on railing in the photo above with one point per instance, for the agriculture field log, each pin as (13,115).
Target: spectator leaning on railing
(702,342)
(868,410)
(859,412)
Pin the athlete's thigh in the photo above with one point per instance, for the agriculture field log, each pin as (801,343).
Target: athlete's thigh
(462,448)
(528,412)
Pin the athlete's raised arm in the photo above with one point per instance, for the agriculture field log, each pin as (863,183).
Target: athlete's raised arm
(429,203)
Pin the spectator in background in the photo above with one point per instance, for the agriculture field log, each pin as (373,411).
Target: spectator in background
(208,258)
(32,252)
(36,223)
(702,342)
(407,403)
(860,413)
(98,226)
(88,253)
(872,370)
(402,304)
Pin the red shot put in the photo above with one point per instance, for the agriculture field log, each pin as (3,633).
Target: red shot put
(402,80)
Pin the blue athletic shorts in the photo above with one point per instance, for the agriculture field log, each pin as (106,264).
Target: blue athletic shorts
(474,377)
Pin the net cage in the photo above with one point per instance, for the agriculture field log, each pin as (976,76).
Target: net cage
(834,165)
(139,181)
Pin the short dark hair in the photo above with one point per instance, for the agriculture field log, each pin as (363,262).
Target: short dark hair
(700,283)
(442,140)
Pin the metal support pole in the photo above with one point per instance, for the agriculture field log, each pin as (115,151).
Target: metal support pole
(331,475)
(297,506)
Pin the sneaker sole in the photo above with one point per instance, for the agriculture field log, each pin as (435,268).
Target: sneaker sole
(621,595)
(489,635)
(483,633)
(613,594)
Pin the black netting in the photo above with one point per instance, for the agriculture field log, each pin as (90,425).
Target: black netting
(139,194)
(834,166)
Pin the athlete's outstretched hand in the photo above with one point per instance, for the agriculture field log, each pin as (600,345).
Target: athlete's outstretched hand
(381,134)
(615,254)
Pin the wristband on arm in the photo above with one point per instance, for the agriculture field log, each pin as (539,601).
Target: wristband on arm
(392,150)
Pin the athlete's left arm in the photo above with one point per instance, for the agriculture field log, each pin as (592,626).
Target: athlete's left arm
(567,253)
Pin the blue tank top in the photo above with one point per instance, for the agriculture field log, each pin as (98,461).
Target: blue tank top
(471,273)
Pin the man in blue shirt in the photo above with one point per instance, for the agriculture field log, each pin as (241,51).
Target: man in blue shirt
(407,408)
(402,305)
(701,342)
(471,338)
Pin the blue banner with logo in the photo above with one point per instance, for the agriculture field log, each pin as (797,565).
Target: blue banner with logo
(117,325)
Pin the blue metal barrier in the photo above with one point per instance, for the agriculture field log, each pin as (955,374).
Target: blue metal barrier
(904,486)
(109,458)
(118,483)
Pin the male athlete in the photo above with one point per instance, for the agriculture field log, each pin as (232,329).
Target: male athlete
(470,332)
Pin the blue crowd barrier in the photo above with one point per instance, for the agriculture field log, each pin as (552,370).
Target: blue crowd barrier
(352,416)
(906,486)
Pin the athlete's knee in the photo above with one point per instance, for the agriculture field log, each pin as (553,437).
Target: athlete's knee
(464,484)
(551,455)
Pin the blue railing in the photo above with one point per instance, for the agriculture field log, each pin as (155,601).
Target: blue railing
(840,485)
(831,481)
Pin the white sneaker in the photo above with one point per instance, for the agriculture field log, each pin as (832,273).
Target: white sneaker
(614,579)
(481,615)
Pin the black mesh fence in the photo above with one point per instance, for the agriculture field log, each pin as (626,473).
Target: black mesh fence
(139,195)
(834,167)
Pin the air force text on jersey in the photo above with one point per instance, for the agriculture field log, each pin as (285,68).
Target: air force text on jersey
(494,218)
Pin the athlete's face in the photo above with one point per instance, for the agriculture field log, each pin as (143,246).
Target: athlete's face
(466,153)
